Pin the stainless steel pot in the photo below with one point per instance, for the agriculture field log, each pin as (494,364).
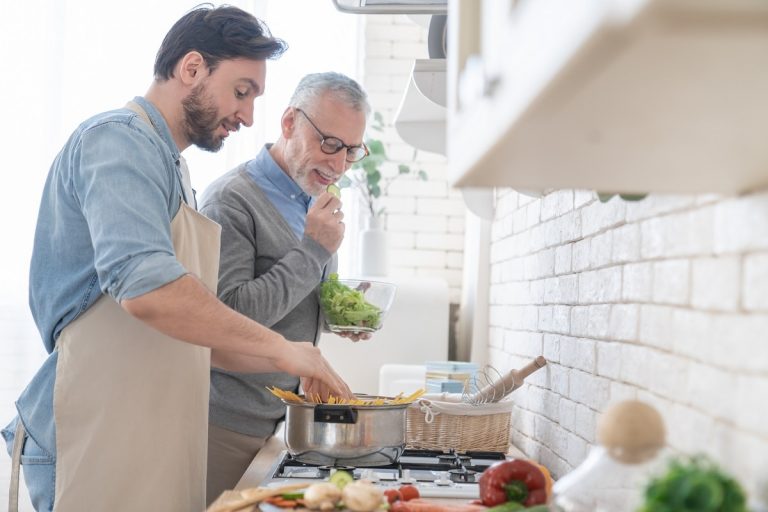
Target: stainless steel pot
(345,435)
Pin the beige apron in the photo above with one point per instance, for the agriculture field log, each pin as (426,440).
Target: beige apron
(131,404)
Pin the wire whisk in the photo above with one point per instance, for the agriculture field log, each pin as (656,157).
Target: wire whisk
(489,385)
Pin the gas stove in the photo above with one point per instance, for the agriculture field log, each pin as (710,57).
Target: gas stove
(437,474)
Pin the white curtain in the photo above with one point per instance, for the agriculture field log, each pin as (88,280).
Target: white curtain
(64,60)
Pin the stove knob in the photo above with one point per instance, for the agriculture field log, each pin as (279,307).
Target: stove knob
(368,474)
(443,480)
(406,478)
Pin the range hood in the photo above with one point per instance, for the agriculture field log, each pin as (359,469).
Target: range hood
(420,119)
(392,6)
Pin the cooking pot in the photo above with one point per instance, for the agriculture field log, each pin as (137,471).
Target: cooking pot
(345,435)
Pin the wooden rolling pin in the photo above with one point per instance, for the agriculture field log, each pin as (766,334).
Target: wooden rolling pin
(507,384)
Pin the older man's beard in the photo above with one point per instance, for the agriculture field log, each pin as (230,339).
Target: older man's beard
(201,120)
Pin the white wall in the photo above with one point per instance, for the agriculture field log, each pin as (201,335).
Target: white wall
(425,221)
(665,300)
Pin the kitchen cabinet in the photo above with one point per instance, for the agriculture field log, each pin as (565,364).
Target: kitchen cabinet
(613,95)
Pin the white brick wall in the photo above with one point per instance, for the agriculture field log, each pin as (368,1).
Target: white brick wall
(425,223)
(665,300)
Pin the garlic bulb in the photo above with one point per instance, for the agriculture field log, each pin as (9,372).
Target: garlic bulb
(322,496)
(362,496)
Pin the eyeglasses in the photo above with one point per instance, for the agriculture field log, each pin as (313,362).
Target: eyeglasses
(332,145)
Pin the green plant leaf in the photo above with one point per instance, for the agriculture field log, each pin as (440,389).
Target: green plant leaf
(378,119)
(604,198)
(375,190)
(376,147)
(374,176)
(369,166)
(633,197)
(403,169)
(422,175)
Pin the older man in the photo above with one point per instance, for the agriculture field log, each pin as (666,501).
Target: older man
(280,233)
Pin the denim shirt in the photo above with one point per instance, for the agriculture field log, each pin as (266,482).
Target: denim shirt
(284,193)
(103,228)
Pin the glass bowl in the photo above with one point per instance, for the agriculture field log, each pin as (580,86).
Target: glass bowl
(353,305)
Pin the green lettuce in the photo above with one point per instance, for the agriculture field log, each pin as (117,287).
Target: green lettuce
(347,307)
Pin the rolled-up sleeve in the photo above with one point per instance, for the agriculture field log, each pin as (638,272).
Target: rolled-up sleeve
(127,193)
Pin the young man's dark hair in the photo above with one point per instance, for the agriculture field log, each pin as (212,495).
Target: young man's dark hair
(218,33)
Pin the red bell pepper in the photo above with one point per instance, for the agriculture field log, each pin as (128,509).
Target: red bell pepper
(513,480)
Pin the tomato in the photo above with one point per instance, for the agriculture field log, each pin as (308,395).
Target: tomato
(409,492)
(393,495)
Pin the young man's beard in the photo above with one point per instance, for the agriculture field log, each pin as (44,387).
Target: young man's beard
(201,120)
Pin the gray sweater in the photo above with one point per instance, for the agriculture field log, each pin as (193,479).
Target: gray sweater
(269,275)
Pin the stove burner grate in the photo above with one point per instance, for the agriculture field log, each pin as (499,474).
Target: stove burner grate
(420,465)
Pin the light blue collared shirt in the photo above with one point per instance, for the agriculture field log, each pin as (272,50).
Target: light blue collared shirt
(284,193)
(104,227)
(105,218)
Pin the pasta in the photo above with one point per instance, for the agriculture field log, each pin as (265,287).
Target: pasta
(290,396)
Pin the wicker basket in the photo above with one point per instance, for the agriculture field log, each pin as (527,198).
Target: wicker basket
(438,426)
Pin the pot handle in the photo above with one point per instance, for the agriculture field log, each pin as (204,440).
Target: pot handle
(335,414)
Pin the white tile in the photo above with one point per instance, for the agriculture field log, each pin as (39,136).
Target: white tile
(586,423)
(598,216)
(742,224)
(624,322)
(715,283)
(581,258)
(656,326)
(578,353)
(755,282)
(588,389)
(672,282)
(637,282)
(409,223)
(626,244)
(600,286)
(600,249)
(609,359)
(563,256)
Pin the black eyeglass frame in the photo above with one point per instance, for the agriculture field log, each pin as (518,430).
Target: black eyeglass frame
(325,138)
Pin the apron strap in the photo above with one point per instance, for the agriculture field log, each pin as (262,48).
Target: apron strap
(188,193)
(18,445)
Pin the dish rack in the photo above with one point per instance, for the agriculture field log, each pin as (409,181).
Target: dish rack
(445,421)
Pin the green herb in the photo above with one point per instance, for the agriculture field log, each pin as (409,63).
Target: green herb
(347,307)
(694,485)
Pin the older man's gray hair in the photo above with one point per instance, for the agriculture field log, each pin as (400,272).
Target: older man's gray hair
(314,85)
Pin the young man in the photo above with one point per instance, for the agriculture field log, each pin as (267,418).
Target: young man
(280,233)
(122,285)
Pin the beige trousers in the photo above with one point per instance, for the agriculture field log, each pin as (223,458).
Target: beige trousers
(229,455)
